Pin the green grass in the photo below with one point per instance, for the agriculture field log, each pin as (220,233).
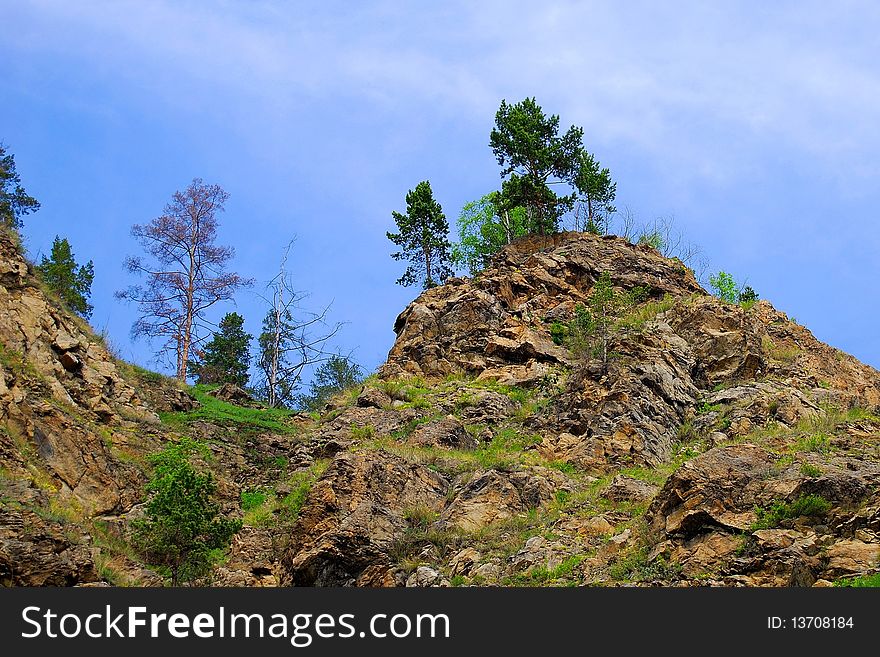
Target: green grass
(644,313)
(542,576)
(865,581)
(818,442)
(705,408)
(252,499)
(217,411)
(809,506)
(264,510)
(363,433)
(809,470)
(634,566)
(508,449)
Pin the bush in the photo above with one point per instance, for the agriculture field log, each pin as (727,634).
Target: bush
(181,530)
(747,297)
(559,333)
(810,506)
(724,286)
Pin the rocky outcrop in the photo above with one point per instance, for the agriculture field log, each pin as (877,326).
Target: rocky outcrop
(354,513)
(39,552)
(745,513)
(717,445)
(497,323)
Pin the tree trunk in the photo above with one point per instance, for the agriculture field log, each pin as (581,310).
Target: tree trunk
(186,332)
(429,282)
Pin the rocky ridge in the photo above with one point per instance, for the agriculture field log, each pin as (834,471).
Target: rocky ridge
(721,445)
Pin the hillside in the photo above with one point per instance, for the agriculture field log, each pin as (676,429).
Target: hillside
(719,444)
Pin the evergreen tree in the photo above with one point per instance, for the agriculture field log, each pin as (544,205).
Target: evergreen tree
(14,201)
(226,357)
(530,150)
(423,238)
(596,192)
(70,281)
(333,376)
(181,529)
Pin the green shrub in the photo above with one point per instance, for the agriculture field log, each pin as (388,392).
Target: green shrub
(559,333)
(747,297)
(809,470)
(723,286)
(809,506)
(181,530)
(363,433)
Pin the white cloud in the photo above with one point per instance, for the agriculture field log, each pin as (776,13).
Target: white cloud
(695,83)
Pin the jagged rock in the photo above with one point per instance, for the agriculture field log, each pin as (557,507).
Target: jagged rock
(424,576)
(354,514)
(231,393)
(37,552)
(367,421)
(627,489)
(485,406)
(447,432)
(498,320)
(701,492)
(538,551)
(848,557)
(697,375)
(251,560)
(493,496)
(373,398)
(464,561)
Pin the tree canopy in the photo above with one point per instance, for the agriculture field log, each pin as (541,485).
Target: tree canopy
(534,156)
(530,150)
(188,273)
(14,201)
(484,227)
(70,281)
(423,237)
(226,357)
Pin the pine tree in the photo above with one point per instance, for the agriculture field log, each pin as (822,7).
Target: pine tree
(182,528)
(596,192)
(423,238)
(334,375)
(226,357)
(70,281)
(530,150)
(14,201)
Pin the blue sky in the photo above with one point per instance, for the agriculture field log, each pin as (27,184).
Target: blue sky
(755,124)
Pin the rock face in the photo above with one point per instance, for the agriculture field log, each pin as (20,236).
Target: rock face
(62,396)
(718,445)
(496,323)
(708,515)
(355,512)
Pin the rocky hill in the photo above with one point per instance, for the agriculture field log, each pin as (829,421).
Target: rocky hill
(718,445)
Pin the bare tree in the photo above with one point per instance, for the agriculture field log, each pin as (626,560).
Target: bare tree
(291,339)
(187,275)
